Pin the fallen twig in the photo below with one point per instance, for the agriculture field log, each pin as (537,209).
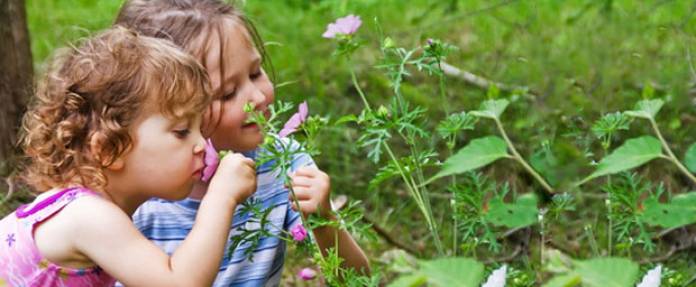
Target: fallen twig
(480,81)
(389,238)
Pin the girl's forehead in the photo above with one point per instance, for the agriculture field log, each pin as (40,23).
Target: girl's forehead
(230,40)
(230,51)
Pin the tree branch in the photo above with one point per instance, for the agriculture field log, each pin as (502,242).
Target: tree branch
(480,81)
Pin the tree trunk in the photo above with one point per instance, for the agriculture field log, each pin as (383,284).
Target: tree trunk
(15,77)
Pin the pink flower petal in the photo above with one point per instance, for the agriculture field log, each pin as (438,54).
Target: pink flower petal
(307,274)
(303,111)
(299,233)
(330,31)
(295,120)
(210,161)
(346,26)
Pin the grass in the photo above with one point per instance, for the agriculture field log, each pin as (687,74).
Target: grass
(581,58)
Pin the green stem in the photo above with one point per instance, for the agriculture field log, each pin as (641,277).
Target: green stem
(357,87)
(611,224)
(443,96)
(521,160)
(672,158)
(455,223)
(543,238)
(410,184)
(419,201)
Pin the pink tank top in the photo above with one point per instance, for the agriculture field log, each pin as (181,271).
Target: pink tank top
(21,264)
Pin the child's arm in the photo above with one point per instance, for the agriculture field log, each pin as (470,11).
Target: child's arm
(312,188)
(108,237)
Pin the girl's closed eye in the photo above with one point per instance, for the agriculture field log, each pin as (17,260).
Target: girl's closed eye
(229,96)
(182,133)
(182,129)
(256,75)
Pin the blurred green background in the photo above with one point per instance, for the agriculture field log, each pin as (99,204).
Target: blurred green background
(579,58)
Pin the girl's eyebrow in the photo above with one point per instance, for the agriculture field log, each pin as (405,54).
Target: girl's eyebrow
(256,62)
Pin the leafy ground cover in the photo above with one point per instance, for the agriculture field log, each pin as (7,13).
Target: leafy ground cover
(553,140)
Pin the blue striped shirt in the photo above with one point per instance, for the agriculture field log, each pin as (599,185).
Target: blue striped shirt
(166,223)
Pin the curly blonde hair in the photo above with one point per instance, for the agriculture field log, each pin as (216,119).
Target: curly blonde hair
(86,103)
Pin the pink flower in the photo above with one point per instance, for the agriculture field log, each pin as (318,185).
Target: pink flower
(299,233)
(295,121)
(307,274)
(210,161)
(345,26)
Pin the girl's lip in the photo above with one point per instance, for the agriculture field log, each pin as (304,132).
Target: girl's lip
(250,125)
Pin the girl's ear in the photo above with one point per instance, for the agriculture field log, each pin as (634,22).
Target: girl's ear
(97,153)
(117,164)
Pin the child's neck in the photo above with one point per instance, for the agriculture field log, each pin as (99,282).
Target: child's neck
(198,190)
(127,203)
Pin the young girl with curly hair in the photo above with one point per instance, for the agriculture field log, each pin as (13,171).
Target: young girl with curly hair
(115,122)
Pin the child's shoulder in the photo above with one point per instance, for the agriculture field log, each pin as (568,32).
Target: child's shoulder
(83,219)
(91,211)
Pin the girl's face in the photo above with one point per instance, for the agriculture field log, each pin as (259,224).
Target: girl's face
(241,80)
(165,159)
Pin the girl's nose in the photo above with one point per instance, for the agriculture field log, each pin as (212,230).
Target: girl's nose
(258,99)
(200,144)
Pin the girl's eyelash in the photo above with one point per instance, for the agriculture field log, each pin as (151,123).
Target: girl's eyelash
(256,75)
(182,133)
(229,96)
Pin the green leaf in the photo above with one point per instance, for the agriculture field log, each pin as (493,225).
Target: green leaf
(346,119)
(646,109)
(567,280)
(411,280)
(521,213)
(491,109)
(632,153)
(607,272)
(557,262)
(408,164)
(453,272)
(679,212)
(455,123)
(609,124)
(477,153)
(690,158)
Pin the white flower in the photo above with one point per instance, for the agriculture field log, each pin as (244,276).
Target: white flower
(652,278)
(497,278)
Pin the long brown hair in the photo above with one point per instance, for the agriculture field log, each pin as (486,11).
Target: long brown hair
(191,24)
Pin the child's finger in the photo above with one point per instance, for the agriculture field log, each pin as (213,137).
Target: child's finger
(249,162)
(308,171)
(306,206)
(302,193)
(299,181)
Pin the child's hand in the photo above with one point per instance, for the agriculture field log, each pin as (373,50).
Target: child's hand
(235,177)
(312,188)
